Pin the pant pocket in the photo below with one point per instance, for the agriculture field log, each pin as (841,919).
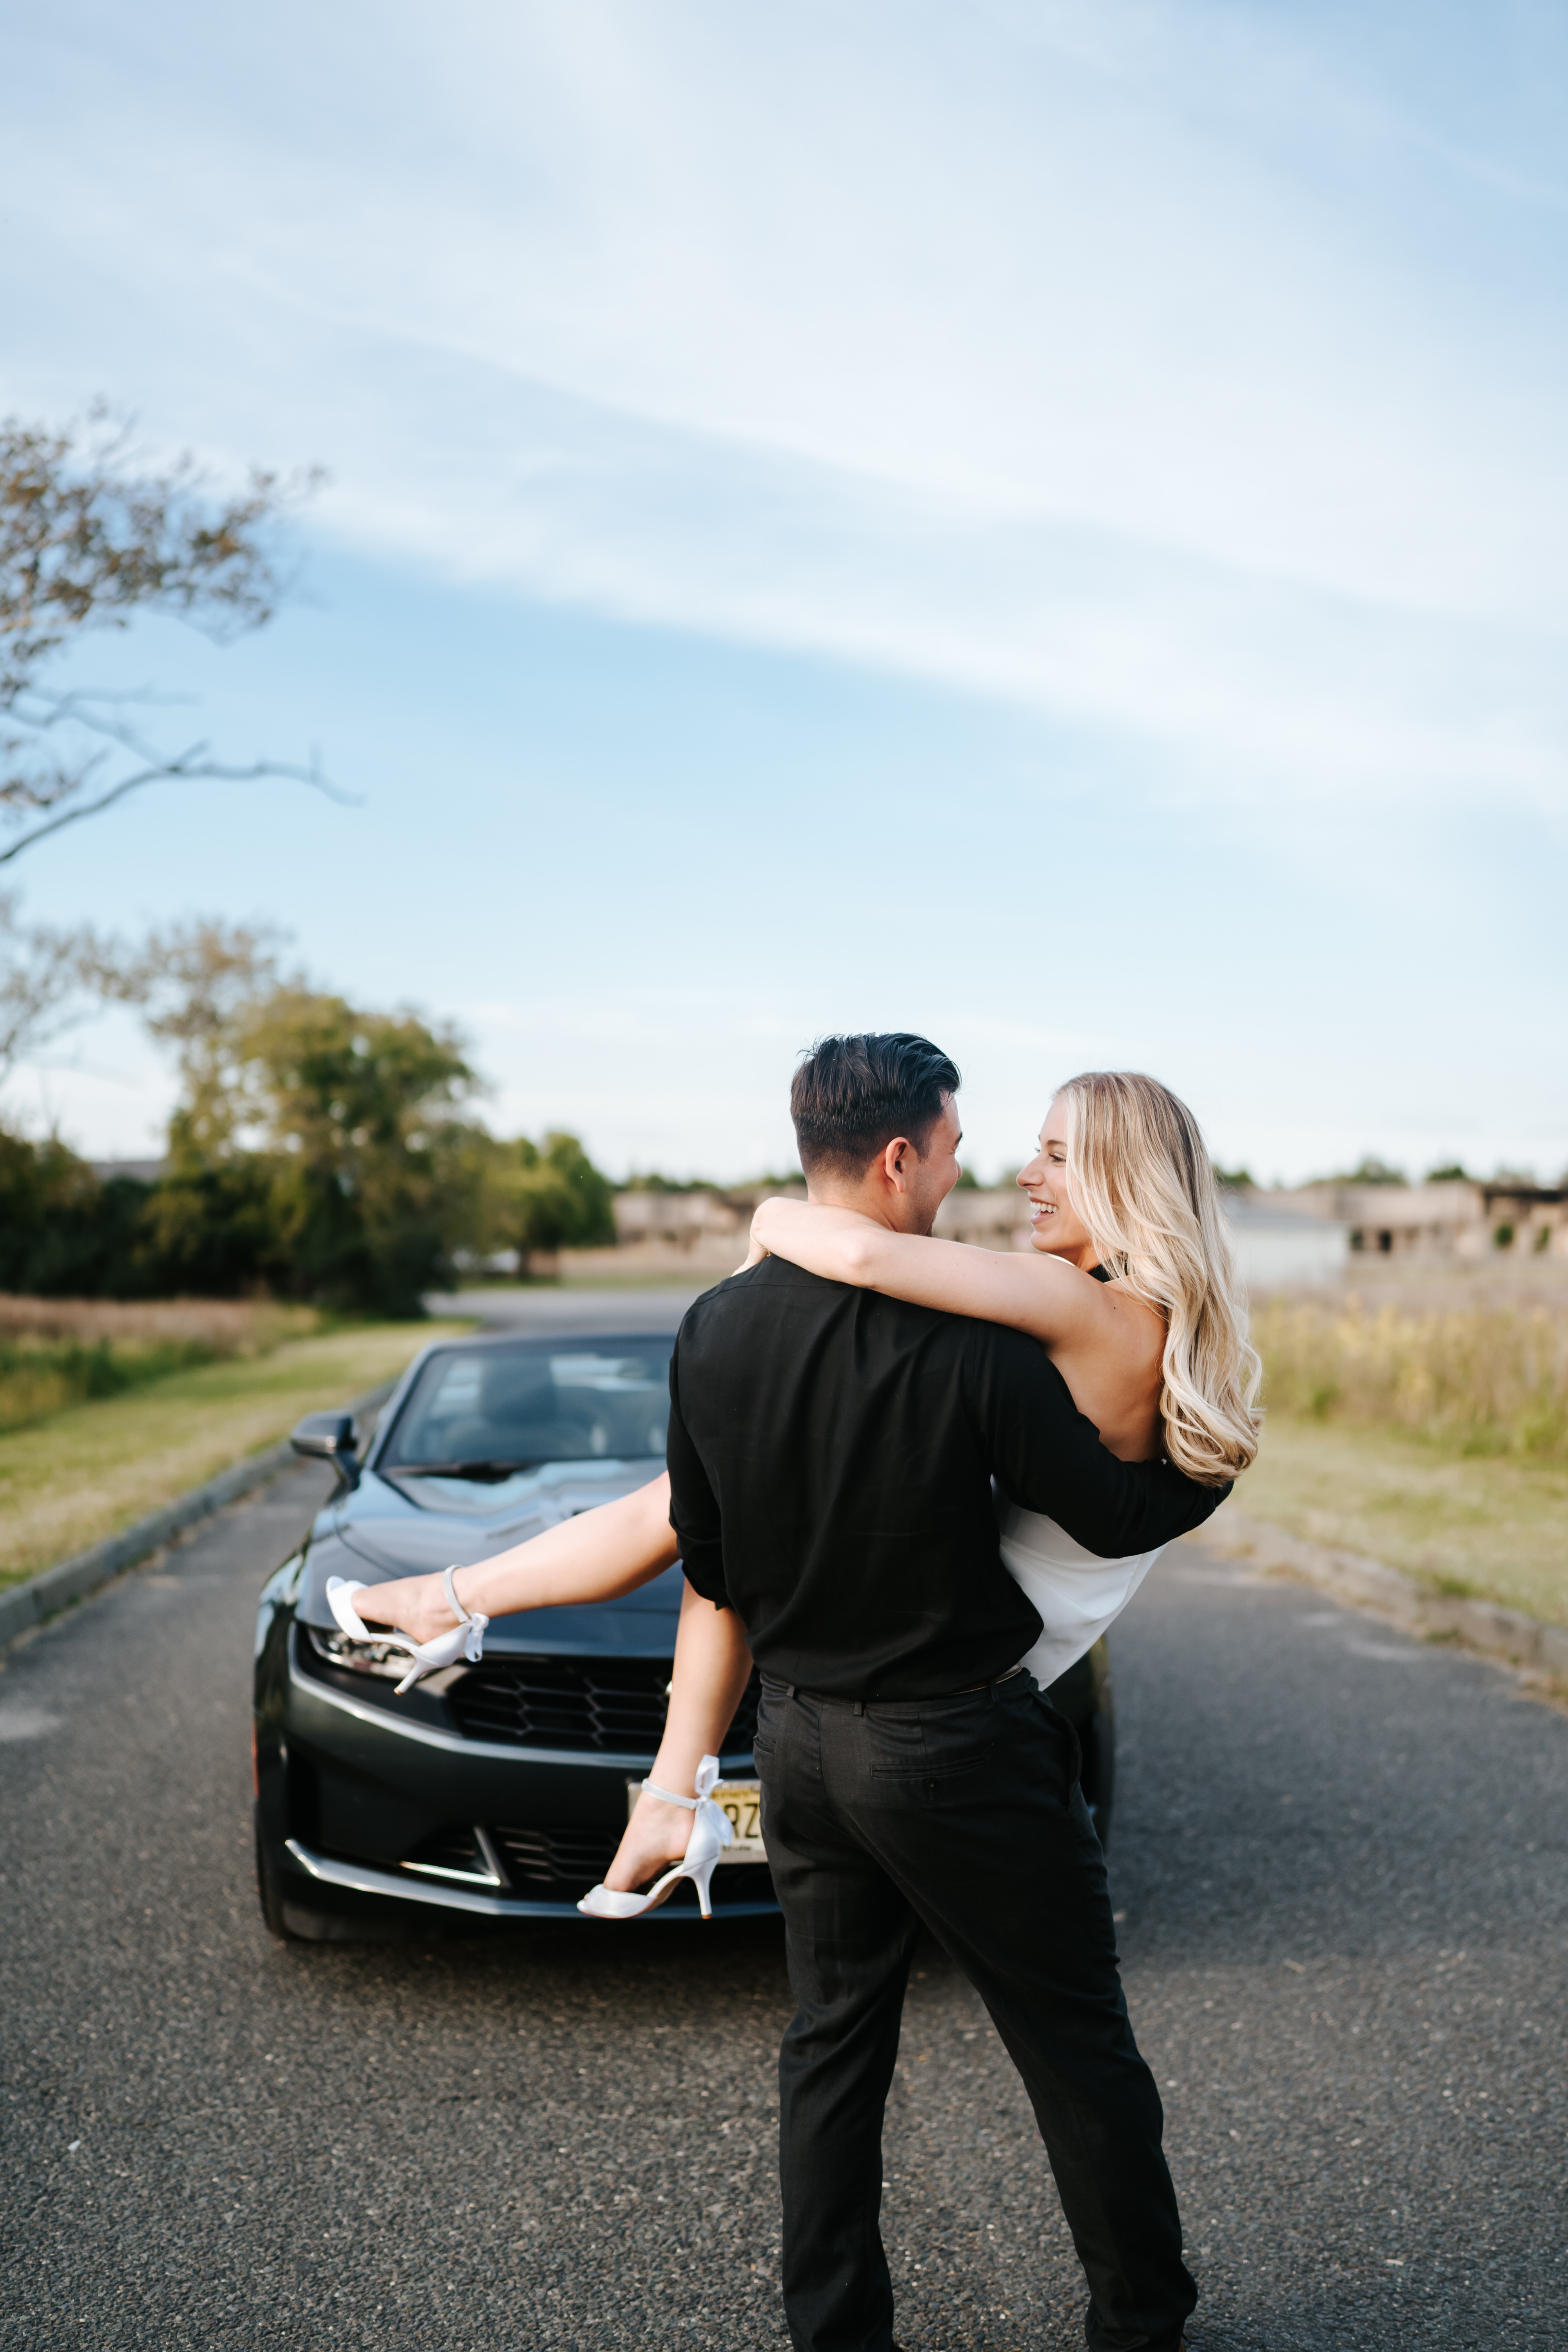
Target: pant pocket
(938,1762)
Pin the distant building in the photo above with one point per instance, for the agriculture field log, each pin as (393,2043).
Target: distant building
(1283,1239)
(1274,1248)
(1277,1251)
(141,1172)
(997,1221)
(1460,1219)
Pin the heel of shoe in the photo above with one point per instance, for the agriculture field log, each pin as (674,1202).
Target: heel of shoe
(702,1879)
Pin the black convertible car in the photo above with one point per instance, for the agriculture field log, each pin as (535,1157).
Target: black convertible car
(499,1790)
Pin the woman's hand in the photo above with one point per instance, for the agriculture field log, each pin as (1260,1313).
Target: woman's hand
(756,1251)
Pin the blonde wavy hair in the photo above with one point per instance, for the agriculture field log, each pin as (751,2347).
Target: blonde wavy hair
(1140,1176)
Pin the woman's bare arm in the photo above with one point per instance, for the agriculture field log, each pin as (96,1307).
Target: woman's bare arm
(597,1555)
(1045,1297)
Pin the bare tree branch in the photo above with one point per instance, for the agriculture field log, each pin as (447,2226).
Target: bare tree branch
(89,536)
(187,764)
(80,710)
(46,978)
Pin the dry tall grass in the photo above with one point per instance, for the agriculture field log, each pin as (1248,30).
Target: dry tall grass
(227,1327)
(57,1352)
(1484,1376)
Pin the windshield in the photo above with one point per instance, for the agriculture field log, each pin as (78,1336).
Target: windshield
(484,1413)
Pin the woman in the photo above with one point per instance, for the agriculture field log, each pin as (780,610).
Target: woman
(1131,1287)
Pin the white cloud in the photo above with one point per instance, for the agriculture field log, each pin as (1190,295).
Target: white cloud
(1122,362)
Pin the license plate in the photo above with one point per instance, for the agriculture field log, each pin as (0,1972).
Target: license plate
(742,1801)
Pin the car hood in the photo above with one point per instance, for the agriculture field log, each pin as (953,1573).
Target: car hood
(414,1527)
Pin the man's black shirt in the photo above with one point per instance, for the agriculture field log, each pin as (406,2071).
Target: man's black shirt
(831,1452)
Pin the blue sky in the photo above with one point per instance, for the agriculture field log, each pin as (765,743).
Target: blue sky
(1040,523)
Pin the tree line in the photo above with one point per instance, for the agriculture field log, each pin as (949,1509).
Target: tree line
(319,1150)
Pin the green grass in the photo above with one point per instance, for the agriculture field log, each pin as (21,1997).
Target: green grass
(87,1472)
(1494,1525)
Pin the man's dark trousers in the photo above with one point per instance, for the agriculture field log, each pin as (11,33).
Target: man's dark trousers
(965,1814)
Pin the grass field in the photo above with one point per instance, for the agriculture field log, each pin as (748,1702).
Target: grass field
(1420,1416)
(1488,1525)
(86,1472)
(56,1352)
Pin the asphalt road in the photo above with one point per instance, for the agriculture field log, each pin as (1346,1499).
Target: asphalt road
(1339,1857)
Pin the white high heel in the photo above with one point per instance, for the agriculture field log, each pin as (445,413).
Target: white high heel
(466,1638)
(711,1833)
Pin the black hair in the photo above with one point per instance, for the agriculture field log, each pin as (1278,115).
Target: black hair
(852,1096)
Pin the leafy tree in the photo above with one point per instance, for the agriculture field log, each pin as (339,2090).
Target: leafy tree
(90,538)
(542,1198)
(654,1182)
(357,1115)
(62,1234)
(1451,1174)
(1371,1170)
(198,986)
(317,1149)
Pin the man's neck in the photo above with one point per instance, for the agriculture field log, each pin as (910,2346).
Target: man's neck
(872,1200)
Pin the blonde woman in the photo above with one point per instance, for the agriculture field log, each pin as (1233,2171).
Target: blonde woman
(1131,1287)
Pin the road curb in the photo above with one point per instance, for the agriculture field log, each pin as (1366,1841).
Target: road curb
(23,1606)
(1482,1625)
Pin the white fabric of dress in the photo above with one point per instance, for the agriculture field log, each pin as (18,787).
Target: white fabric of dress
(1077,1593)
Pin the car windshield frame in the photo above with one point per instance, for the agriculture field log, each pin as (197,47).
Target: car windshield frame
(601,1420)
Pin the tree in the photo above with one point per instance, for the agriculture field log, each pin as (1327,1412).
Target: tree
(90,537)
(62,1234)
(324,1151)
(1371,1170)
(533,1198)
(198,986)
(317,1149)
(45,978)
(357,1115)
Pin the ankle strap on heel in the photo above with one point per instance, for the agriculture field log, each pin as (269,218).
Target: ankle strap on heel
(707,1780)
(670,1797)
(474,1620)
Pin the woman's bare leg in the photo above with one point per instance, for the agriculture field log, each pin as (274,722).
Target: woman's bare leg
(597,1555)
(712,1666)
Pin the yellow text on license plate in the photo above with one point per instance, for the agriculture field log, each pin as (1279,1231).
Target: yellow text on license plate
(741,1803)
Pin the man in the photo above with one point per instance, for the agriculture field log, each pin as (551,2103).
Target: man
(831,1452)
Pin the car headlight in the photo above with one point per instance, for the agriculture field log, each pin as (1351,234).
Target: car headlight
(360,1657)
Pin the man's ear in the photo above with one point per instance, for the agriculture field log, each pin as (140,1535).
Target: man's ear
(895,1160)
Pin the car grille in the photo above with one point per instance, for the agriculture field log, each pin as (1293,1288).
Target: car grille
(553,1864)
(584,1706)
(591,1705)
(547,1861)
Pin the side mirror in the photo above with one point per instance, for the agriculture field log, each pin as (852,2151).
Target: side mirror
(329,1437)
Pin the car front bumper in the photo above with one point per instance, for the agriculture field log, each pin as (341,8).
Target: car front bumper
(359,1802)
